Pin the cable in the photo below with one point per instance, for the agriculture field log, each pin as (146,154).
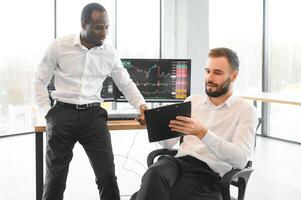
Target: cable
(130,149)
(128,158)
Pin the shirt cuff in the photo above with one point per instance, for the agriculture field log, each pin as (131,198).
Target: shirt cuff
(137,106)
(209,138)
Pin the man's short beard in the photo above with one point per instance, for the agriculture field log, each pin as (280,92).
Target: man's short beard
(91,38)
(221,89)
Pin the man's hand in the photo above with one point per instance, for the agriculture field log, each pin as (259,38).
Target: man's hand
(141,117)
(188,126)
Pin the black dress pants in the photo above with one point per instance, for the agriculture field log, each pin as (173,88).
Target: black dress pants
(66,126)
(183,178)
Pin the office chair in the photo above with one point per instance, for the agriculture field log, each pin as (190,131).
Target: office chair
(260,120)
(235,177)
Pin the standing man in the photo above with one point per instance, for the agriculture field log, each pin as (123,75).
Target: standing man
(80,64)
(219,136)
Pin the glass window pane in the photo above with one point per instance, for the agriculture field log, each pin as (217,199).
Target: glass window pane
(68,17)
(28,27)
(175,39)
(237,25)
(285,70)
(138,24)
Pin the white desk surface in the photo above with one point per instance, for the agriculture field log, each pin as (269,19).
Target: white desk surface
(273,98)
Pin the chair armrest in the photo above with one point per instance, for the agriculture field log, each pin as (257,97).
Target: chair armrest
(238,178)
(159,152)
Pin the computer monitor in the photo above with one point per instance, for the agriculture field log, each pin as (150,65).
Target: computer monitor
(159,80)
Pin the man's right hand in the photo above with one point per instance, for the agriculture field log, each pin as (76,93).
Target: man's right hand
(188,126)
(141,117)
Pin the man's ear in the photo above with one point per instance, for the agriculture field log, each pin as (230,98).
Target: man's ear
(84,25)
(234,75)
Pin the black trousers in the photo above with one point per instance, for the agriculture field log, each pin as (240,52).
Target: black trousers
(66,126)
(183,178)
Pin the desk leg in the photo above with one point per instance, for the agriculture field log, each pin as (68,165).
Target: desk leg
(255,103)
(39,165)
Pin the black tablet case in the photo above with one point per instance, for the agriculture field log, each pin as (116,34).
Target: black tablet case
(157,120)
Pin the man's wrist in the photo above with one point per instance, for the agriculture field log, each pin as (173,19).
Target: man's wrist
(143,106)
(202,133)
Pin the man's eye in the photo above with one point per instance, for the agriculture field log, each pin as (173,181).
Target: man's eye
(100,28)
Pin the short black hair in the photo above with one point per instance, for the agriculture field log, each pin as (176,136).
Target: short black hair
(228,53)
(88,9)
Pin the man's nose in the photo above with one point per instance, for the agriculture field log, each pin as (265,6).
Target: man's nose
(209,76)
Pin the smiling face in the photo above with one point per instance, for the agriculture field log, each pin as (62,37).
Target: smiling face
(219,77)
(95,32)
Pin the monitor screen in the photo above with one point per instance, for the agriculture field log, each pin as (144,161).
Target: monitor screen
(159,80)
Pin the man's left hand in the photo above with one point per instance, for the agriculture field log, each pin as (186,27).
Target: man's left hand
(141,117)
(188,126)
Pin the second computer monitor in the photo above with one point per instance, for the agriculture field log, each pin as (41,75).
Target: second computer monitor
(159,80)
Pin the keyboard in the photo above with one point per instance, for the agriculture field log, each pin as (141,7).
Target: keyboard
(122,114)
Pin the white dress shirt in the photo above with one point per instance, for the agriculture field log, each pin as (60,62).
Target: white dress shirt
(229,141)
(79,74)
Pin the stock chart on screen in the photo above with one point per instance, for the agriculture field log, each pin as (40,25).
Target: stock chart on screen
(159,79)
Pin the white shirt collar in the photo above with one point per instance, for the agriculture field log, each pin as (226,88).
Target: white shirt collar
(76,41)
(229,102)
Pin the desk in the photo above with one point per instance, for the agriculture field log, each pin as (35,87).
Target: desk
(268,97)
(39,130)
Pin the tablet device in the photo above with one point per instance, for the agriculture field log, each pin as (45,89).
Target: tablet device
(157,120)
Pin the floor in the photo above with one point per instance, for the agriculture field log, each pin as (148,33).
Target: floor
(276,163)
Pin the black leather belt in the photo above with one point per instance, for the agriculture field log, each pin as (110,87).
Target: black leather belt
(77,106)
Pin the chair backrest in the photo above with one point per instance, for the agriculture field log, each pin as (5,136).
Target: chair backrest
(249,164)
(259,123)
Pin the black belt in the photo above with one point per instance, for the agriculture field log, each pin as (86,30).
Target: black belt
(77,106)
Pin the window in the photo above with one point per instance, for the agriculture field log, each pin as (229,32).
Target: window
(27,30)
(238,25)
(68,17)
(285,71)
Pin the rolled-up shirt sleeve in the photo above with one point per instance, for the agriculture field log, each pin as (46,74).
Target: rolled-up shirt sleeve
(125,84)
(42,77)
(238,151)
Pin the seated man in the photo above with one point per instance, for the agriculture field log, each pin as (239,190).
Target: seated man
(220,135)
